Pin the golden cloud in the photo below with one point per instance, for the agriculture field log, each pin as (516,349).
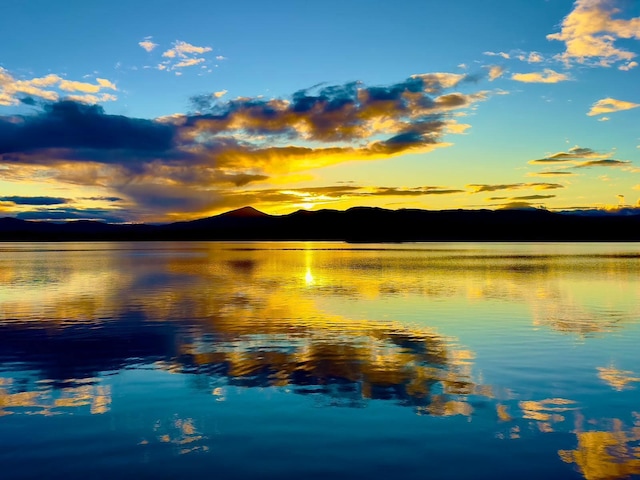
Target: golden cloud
(495,71)
(590,32)
(546,76)
(609,105)
(477,188)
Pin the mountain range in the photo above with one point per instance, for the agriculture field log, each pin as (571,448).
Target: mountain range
(358,224)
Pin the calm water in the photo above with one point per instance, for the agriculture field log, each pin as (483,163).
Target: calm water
(309,360)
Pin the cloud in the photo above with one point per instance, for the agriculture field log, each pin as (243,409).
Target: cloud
(609,162)
(183,50)
(76,127)
(580,157)
(220,93)
(495,71)
(477,188)
(560,173)
(190,162)
(183,55)
(68,214)
(628,66)
(103,199)
(520,205)
(609,105)
(546,76)
(497,54)
(574,153)
(19,200)
(190,62)
(604,119)
(590,33)
(524,197)
(51,88)
(147,44)
(532,57)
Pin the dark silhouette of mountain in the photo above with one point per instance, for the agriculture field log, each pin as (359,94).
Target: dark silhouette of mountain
(244,212)
(359,224)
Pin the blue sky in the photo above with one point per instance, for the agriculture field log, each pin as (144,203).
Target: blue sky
(288,104)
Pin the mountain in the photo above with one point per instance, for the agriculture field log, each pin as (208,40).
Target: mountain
(244,212)
(359,224)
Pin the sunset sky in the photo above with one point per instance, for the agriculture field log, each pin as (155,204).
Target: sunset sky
(164,110)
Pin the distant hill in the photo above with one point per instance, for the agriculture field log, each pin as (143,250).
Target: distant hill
(359,224)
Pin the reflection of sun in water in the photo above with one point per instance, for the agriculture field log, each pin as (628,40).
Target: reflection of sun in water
(308,277)
(308,260)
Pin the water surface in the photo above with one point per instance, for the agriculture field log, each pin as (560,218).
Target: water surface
(303,360)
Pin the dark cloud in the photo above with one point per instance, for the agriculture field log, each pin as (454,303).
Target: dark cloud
(18,200)
(607,162)
(518,206)
(77,126)
(553,174)
(28,101)
(524,197)
(573,154)
(103,199)
(66,214)
(477,188)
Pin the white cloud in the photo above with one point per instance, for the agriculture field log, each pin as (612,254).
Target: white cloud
(183,55)
(147,44)
(190,62)
(51,87)
(184,50)
(628,66)
(498,54)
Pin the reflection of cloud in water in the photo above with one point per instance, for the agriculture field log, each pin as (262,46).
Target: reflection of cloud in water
(246,318)
(618,379)
(606,454)
(180,433)
(338,358)
(256,317)
(24,396)
(199,281)
(604,450)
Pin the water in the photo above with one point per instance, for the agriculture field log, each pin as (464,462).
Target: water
(309,360)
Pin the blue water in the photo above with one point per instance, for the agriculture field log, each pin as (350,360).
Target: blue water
(309,360)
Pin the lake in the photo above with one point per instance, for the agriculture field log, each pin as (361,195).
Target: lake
(320,360)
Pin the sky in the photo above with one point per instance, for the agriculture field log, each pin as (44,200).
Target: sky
(143,111)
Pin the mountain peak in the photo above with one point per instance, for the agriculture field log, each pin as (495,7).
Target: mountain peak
(244,212)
